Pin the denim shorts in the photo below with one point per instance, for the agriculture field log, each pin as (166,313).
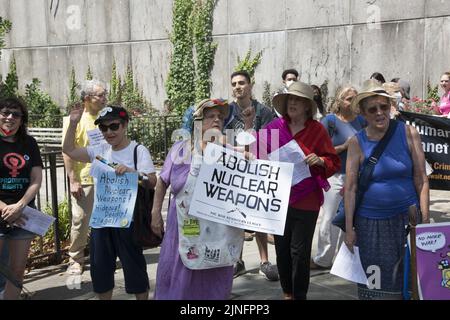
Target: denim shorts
(16,233)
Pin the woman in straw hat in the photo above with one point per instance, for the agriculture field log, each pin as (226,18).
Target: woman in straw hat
(398,181)
(342,124)
(293,249)
(176,279)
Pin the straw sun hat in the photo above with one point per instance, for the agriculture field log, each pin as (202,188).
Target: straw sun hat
(370,88)
(298,89)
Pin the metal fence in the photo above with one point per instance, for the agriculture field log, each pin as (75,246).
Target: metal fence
(154,132)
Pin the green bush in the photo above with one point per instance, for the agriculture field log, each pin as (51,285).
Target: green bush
(43,111)
(64,225)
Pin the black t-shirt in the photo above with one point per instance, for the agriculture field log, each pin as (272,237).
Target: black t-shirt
(16,162)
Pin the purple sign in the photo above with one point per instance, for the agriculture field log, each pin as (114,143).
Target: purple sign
(433,260)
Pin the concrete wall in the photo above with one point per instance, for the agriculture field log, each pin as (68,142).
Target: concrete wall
(342,41)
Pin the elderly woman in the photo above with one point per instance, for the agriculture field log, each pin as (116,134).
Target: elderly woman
(108,243)
(175,279)
(21,174)
(342,124)
(293,249)
(398,181)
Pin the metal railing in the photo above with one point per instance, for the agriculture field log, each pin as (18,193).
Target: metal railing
(53,180)
(154,132)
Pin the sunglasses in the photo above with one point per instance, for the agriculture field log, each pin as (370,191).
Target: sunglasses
(375,108)
(112,127)
(15,114)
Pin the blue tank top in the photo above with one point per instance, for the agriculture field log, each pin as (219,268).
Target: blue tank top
(391,190)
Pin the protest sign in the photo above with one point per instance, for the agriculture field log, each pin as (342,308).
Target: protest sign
(115,197)
(433,260)
(232,190)
(435,135)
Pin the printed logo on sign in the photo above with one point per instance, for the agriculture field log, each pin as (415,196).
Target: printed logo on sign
(212,254)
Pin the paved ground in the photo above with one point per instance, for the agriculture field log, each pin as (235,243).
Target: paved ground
(52,283)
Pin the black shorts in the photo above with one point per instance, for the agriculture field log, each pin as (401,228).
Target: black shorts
(106,245)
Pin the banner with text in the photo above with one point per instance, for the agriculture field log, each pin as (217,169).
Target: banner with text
(433,260)
(115,198)
(435,134)
(251,195)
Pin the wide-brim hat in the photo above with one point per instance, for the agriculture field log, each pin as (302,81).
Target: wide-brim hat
(112,113)
(370,88)
(298,89)
(210,103)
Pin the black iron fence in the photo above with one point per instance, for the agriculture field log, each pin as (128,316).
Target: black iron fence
(152,131)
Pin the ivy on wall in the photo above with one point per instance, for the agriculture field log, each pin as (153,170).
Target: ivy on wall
(180,86)
(5,27)
(204,47)
(249,64)
(189,79)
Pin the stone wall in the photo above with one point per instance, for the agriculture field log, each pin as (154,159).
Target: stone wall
(342,41)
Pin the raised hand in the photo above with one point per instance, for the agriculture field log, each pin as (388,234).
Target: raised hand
(76,113)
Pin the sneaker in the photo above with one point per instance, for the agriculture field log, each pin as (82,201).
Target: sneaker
(239,268)
(74,268)
(269,271)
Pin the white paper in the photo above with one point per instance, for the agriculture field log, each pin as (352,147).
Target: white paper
(95,137)
(37,222)
(348,265)
(292,153)
(98,167)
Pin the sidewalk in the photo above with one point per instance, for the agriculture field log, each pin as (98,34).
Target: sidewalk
(53,284)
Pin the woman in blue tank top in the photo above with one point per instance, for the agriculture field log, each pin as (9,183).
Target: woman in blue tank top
(398,181)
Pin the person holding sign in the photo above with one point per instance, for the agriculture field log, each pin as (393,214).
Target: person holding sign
(376,205)
(109,243)
(93,98)
(176,279)
(293,249)
(20,180)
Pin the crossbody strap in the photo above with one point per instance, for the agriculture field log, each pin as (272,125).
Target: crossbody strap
(369,163)
(135,157)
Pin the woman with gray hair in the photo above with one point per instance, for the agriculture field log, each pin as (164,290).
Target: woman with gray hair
(375,220)
(342,124)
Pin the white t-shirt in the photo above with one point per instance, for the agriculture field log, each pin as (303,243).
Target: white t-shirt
(124,156)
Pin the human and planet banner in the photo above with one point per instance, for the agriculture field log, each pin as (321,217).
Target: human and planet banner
(435,134)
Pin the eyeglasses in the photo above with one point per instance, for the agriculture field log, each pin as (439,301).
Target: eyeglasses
(7,113)
(375,108)
(112,127)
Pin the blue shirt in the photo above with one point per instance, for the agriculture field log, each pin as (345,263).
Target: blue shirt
(391,189)
(341,132)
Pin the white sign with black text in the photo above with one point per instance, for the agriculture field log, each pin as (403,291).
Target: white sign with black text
(247,194)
